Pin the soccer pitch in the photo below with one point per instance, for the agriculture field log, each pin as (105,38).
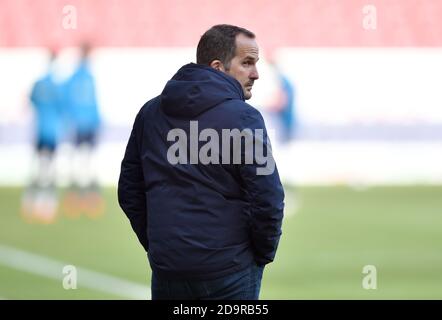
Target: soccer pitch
(333,233)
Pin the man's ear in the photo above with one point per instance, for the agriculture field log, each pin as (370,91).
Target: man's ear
(218,65)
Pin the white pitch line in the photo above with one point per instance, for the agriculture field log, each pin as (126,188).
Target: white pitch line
(53,269)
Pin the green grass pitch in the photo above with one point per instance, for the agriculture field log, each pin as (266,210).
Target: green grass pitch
(333,234)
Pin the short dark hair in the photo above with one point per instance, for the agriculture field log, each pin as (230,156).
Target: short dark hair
(218,43)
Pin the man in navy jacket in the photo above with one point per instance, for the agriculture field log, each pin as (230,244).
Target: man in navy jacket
(198,181)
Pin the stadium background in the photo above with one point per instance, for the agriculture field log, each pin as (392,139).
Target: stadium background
(363,176)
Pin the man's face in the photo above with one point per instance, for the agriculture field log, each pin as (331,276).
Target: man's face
(243,64)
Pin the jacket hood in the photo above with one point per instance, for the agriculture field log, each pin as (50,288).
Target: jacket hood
(196,88)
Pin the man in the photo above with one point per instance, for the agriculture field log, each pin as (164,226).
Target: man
(284,105)
(209,227)
(84,117)
(39,203)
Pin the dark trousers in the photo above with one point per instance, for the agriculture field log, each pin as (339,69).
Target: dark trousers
(242,285)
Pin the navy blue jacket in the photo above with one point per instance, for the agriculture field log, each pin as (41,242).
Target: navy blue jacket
(199,221)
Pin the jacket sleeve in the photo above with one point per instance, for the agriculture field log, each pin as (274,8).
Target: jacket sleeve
(264,190)
(131,193)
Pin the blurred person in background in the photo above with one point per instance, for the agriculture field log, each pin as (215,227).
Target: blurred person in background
(208,229)
(282,108)
(83,118)
(40,202)
(280,113)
